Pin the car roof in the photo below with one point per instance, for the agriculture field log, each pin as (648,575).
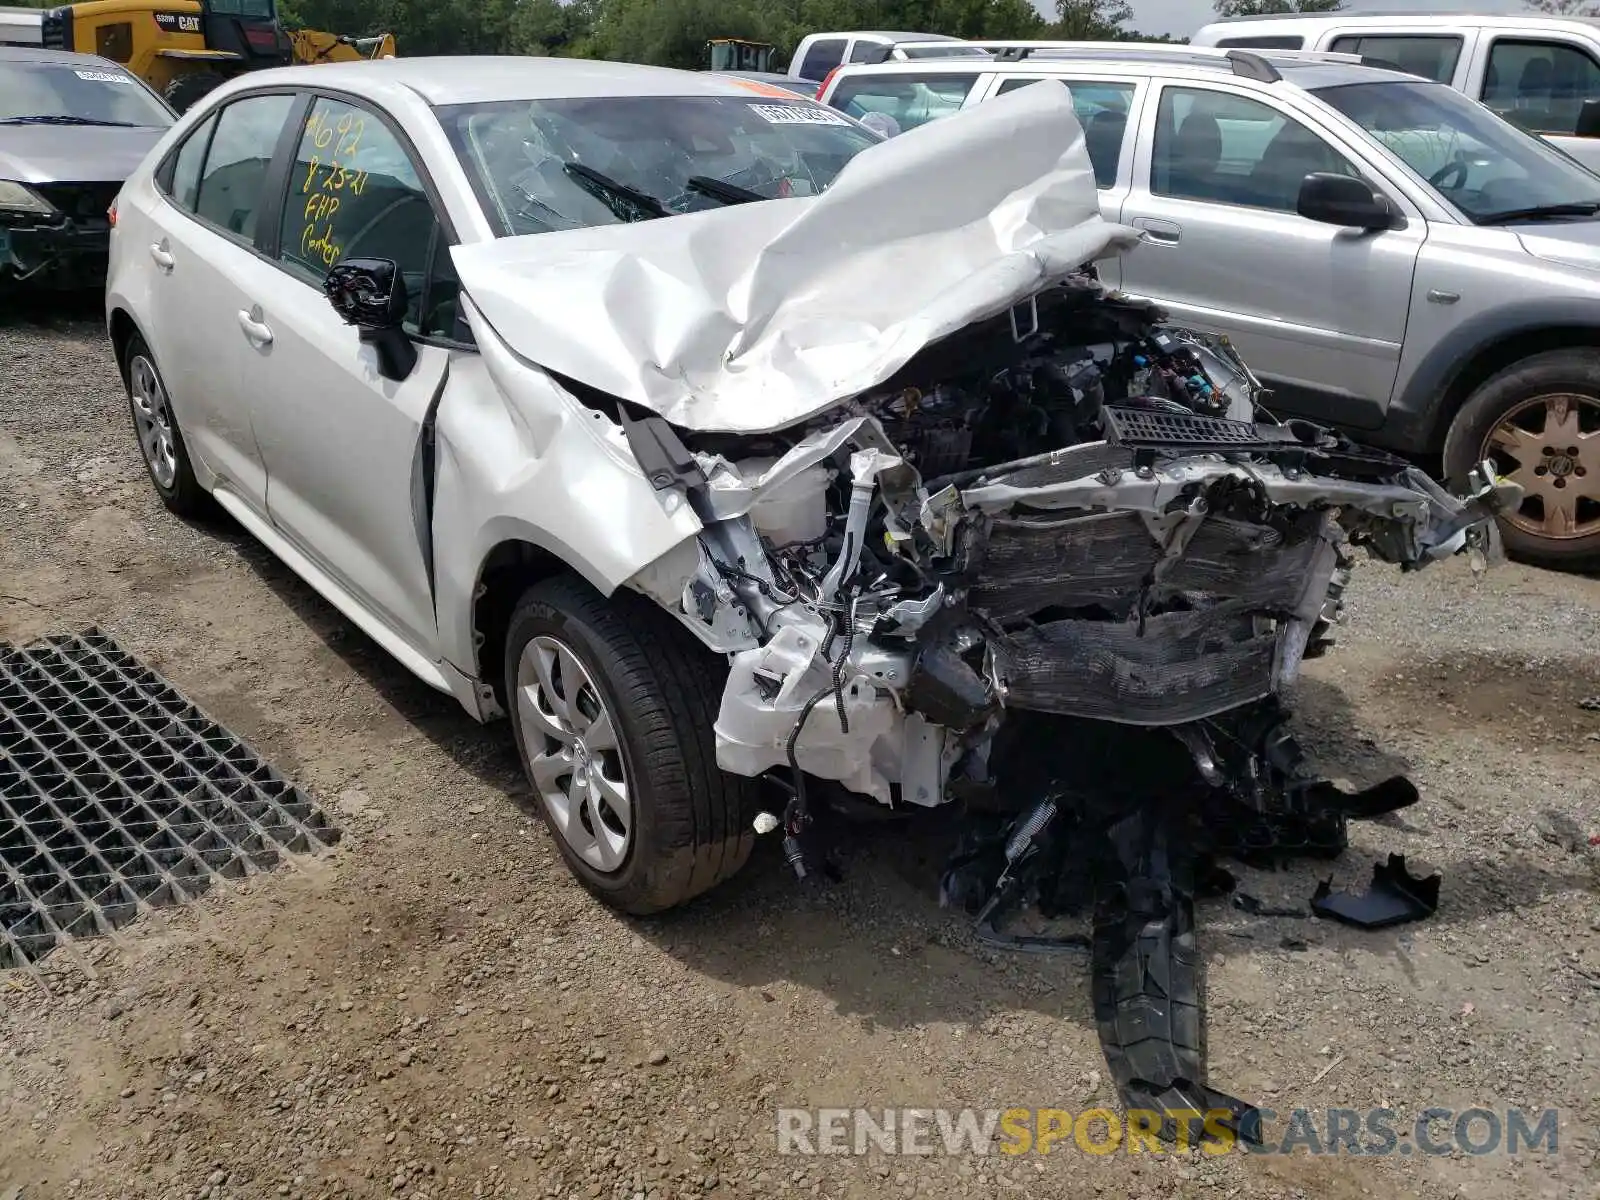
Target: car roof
(445,80)
(1425,16)
(889,35)
(66,58)
(1150,59)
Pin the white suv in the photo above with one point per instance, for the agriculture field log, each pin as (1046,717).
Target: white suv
(819,53)
(1387,254)
(1539,72)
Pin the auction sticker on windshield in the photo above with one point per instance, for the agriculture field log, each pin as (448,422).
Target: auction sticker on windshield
(797,114)
(103,76)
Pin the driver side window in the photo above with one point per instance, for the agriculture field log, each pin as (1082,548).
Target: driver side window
(355,193)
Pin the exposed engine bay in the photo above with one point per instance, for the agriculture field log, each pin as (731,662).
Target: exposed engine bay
(1068,509)
(1065,540)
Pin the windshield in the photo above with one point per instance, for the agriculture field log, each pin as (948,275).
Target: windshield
(545,165)
(60,93)
(1484,166)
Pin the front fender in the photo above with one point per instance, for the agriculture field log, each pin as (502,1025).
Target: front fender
(1417,420)
(520,459)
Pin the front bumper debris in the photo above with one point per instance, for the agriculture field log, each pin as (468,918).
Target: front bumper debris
(66,248)
(59,253)
(1059,569)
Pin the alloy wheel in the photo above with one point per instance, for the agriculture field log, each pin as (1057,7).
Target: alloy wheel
(153,420)
(574,756)
(1551,446)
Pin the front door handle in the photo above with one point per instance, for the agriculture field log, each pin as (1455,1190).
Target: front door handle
(1158,232)
(163,258)
(257,330)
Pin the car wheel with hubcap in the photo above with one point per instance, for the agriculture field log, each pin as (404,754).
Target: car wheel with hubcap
(1538,421)
(574,758)
(160,439)
(612,706)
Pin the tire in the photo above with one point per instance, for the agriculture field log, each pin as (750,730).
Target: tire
(1528,395)
(687,825)
(187,89)
(161,445)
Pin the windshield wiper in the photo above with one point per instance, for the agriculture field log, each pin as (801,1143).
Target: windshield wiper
(1580,208)
(721,189)
(61,119)
(618,197)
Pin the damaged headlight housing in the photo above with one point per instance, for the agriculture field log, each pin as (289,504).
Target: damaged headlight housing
(20,198)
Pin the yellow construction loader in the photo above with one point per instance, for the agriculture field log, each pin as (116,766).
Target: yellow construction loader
(184,48)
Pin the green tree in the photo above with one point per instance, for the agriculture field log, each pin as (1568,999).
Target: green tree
(1566,8)
(1263,8)
(674,33)
(358,18)
(1091,20)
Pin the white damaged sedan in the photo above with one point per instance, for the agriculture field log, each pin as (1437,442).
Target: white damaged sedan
(714,440)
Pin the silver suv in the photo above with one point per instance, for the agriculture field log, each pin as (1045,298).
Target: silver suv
(1388,254)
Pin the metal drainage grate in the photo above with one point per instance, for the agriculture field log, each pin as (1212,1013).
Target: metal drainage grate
(117,795)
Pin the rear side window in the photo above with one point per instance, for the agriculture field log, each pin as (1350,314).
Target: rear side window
(907,100)
(184,183)
(1428,56)
(1540,86)
(1263,42)
(233,183)
(1102,110)
(868,52)
(822,57)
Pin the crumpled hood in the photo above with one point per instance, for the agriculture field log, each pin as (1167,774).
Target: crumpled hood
(1574,244)
(73,153)
(753,317)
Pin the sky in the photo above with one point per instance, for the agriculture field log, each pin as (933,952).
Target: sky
(1183,17)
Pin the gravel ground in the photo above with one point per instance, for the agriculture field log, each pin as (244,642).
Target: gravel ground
(437,1010)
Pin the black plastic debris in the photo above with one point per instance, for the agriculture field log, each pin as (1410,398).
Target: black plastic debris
(1379,800)
(1133,822)
(1145,976)
(1395,897)
(1257,907)
(118,796)
(1590,704)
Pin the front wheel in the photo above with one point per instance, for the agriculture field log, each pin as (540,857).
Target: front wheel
(1538,421)
(613,706)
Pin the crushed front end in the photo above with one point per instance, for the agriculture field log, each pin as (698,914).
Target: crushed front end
(55,235)
(1069,509)
(1059,568)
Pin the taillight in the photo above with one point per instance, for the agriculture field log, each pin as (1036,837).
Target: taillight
(826,80)
(111,214)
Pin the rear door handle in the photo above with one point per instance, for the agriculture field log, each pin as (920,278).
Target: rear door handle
(163,259)
(257,330)
(1158,232)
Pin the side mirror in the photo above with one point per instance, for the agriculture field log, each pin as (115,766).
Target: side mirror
(370,293)
(1344,200)
(1588,120)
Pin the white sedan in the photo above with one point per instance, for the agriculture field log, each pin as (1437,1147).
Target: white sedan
(714,439)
